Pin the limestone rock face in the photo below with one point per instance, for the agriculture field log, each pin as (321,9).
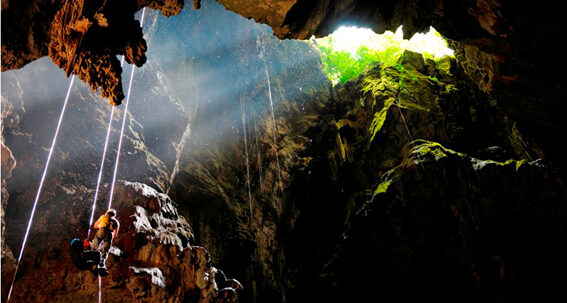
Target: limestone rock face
(151,259)
(26,31)
(10,120)
(506,53)
(235,146)
(337,152)
(8,164)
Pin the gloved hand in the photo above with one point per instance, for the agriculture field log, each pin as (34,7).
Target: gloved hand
(86,244)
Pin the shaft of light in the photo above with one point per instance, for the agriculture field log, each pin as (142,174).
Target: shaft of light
(41,183)
(125,115)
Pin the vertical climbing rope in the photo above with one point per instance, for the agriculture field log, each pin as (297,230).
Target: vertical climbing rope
(41,185)
(99,290)
(125,114)
(409,133)
(100,172)
(123,124)
(102,164)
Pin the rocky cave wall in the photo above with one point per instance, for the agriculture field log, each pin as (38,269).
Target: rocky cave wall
(152,259)
(414,221)
(306,239)
(212,177)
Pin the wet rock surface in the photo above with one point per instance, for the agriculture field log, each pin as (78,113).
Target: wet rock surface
(240,230)
(11,112)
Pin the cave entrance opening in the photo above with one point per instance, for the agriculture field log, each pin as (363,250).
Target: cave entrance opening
(350,50)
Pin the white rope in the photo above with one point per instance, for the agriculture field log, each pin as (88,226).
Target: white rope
(120,147)
(41,184)
(99,290)
(102,163)
(100,172)
(123,124)
(409,133)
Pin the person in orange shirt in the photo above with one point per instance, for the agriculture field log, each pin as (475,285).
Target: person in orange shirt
(107,226)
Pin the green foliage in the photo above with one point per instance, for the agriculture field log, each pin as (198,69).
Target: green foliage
(423,148)
(434,79)
(382,187)
(346,57)
(374,86)
(341,66)
(380,118)
(387,180)
(401,69)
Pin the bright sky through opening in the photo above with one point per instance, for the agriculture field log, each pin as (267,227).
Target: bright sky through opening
(351,38)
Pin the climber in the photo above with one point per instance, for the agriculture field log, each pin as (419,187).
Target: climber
(85,258)
(107,226)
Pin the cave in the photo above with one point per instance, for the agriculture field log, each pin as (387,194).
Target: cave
(249,158)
